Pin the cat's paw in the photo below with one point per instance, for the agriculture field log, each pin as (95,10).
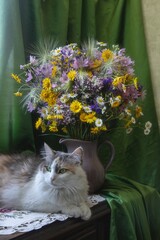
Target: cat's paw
(82,211)
(86,212)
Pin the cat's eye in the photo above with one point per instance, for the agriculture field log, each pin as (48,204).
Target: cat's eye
(62,170)
(48,168)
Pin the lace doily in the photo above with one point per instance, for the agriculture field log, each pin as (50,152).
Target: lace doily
(12,221)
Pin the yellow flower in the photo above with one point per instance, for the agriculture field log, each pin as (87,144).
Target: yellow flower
(107,55)
(117,81)
(46,83)
(75,106)
(138,111)
(83,117)
(64,129)
(48,96)
(95,130)
(135,80)
(96,63)
(128,124)
(90,118)
(54,71)
(103,128)
(18,94)
(72,75)
(15,77)
(38,123)
(44,95)
(58,116)
(53,127)
(90,74)
(116,102)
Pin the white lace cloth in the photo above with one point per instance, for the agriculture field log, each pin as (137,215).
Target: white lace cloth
(12,221)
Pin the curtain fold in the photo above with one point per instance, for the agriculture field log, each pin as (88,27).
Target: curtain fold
(15,124)
(136,154)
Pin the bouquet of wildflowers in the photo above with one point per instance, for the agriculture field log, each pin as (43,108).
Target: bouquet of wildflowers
(81,91)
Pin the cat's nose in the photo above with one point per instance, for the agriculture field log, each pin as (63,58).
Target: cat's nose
(53,178)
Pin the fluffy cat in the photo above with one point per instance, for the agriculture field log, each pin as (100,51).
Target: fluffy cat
(52,183)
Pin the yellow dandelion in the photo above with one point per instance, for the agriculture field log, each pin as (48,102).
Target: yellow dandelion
(46,83)
(95,130)
(83,117)
(90,74)
(38,123)
(53,127)
(90,118)
(15,77)
(58,116)
(54,71)
(117,81)
(18,94)
(75,106)
(72,75)
(97,63)
(107,55)
(52,99)
(48,96)
(45,94)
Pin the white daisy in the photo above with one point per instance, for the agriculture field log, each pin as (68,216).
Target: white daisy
(148,125)
(64,98)
(129,130)
(98,122)
(146,131)
(100,101)
(87,109)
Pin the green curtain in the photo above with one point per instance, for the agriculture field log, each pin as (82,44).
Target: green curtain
(26,22)
(137,155)
(15,125)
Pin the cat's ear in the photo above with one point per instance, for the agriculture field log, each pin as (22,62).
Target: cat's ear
(48,153)
(78,152)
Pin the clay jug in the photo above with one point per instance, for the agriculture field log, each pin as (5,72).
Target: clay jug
(91,163)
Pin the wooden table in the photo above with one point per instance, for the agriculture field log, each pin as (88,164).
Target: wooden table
(96,228)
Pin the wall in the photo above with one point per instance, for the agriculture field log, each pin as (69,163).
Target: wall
(151,11)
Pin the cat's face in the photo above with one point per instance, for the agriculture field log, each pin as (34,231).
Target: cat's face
(61,169)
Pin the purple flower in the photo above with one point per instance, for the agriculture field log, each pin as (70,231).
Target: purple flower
(80,62)
(107,81)
(21,66)
(30,107)
(96,108)
(33,60)
(46,70)
(29,77)
(107,84)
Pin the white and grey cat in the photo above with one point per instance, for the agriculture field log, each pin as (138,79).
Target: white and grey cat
(53,183)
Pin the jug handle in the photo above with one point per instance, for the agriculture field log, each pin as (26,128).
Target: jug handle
(112,149)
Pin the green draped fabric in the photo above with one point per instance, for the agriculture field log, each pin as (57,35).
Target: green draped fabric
(24,23)
(135,209)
